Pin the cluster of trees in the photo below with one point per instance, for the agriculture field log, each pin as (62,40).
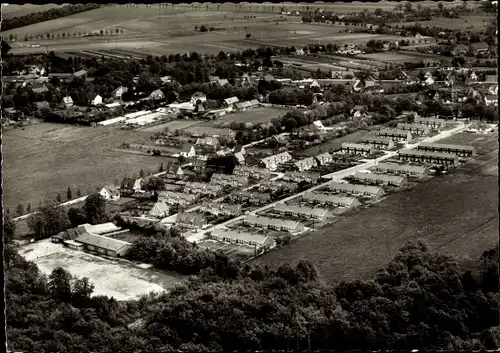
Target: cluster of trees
(420,300)
(63,35)
(47,15)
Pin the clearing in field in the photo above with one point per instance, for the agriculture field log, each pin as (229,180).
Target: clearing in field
(255,115)
(455,213)
(172,125)
(472,23)
(118,279)
(334,144)
(43,159)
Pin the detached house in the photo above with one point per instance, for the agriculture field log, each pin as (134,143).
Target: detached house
(110,193)
(174,171)
(274,161)
(188,151)
(324,158)
(198,96)
(96,100)
(132,185)
(67,101)
(160,209)
(157,94)
(209,143)
(192,220)
(305,164)
(118,93)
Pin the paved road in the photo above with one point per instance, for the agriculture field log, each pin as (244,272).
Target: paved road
(333,177)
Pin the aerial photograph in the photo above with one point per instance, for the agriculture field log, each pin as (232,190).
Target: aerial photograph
(250,176)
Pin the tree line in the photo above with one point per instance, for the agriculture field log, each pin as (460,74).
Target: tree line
(420,300)
(47,15)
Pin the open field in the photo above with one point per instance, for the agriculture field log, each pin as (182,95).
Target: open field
(172,125)
(400,57)
(456,214)
(11,11)
(254,115)
(118,279)
(472,23)
(44,159)
(165,30)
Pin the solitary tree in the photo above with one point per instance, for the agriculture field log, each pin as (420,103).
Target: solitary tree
(95,208)
(69,193)
(58,198)
(28,208)
(101,32)
(60,284)
(78,193)
(160,168)
(141,173)
(20,210)
(9,230)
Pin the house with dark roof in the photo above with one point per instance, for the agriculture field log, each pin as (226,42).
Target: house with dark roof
(191,220)
(415,129)
(188,151)
(422,156)
(379,142)
(397,135)
(209,143)
(110,192)
(80,74)
(357,148)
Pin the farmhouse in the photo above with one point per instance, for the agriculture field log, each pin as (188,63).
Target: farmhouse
(381,179)
(257,198)
(330,200)
(203,189)
(104,245)
(160,209)
(174,171)
(221,208)
(301,211)
(397,168)
(118,93)
(414,129)
(229,180)
(272,162)
(69,234)
(428,157)
(193,220)
(188,151)
(301,177)
(67,101)
(395,134)
(357,148)
(209,143)
(305,164)
(459,150)
(273,223)
(110,192)
(253,172)
(177,198)
(324,158)
(198,96)
(261,242)
(432,123)
(353,189)
(379,142)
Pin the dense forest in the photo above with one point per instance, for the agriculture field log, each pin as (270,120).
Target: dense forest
(47,15)
(421,300)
